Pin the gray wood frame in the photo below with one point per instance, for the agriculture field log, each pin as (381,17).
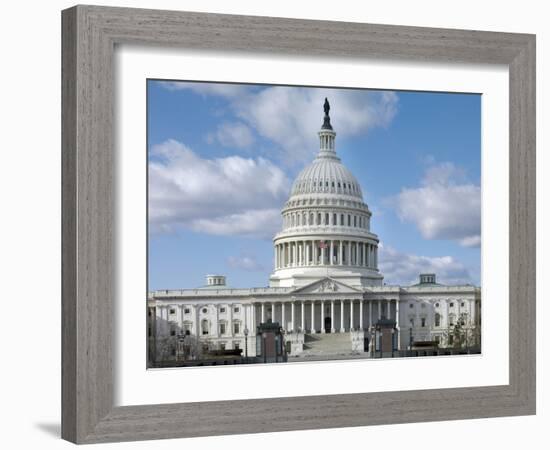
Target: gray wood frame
(89,37)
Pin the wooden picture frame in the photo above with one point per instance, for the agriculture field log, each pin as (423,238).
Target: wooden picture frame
(90,34)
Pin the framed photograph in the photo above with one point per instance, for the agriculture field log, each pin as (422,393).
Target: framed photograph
(315,224)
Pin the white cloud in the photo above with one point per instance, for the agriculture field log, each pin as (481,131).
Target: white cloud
(224,196)
(291,117)
(445,206)
(232,134)
(245,262)
(403,268)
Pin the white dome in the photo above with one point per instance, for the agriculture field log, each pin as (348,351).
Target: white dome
(326,224)
(326,175)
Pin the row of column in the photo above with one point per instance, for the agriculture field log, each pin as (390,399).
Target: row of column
(322,252)
(297,319)
(320,218)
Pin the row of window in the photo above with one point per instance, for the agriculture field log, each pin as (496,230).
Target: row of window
(451,305)
(437,320)
(172,311)
(296,220)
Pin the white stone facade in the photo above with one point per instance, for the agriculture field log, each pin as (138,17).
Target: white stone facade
(325,282)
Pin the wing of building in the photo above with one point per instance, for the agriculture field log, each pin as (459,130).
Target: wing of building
(326,292)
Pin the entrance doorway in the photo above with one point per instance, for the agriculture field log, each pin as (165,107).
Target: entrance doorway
(328,324)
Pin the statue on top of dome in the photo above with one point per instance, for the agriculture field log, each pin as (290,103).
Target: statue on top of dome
(326,121)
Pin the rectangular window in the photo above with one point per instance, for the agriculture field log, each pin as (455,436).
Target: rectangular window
(222,310)
(236,328)
(172,332)
(236,309)
(423,322)
(326,218)
(222,345)
(186,311)
(349,220)
(236,345)
(172,311)
(222,328)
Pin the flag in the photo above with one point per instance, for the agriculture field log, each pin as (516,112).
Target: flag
(323,244)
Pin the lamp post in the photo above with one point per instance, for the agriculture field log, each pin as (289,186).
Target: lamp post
(245,331)
(410,338)
(181,346)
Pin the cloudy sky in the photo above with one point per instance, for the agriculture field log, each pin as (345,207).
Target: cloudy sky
(222,158)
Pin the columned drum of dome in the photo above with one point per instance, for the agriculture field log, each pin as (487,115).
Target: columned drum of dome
(326,225)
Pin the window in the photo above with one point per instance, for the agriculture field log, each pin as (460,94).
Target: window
(335,219)
(349,220)
(341,219)
(222,345)
(222,328)
(437,305)
(149,332)
(326,218)
(172,332)
(236,328)
(173,352)
(172,311)
(236,309)
(423,322)
(411,305)
(204,310)
(462,304)
(451,304)
(319,219)
(338,184)
(186,311)
(437,321)
(236,345)
(354,221)
(204,326)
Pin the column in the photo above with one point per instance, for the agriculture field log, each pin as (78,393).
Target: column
(315,251)
(332,319)
(301,254)
(379,309)
(323,254)
(397,326)
(292,316)
(388,311)
(262,317)
(357,253)
(312,326)
(283,315)
(306,262)
(323,316)
(331,256)
(370,313)
(361,314)
(342,329)
(273,317)
(303,317)
(340,254)
(230,307)
(351,324)
(197,321)
(375,257)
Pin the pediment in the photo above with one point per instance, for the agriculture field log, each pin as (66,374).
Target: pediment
(327,286)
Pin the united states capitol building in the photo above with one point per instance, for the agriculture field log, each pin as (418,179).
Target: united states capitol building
(326,294)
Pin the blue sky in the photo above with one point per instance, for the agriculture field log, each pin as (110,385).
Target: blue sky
(222,159)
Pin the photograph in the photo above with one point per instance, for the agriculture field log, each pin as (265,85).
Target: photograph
(272,241)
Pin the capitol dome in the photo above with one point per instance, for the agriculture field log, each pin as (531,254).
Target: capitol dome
(326,224)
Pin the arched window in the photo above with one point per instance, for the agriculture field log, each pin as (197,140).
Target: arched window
(349,220)
(326,218)
(311,219)
(437,320)
(341,220)
(318,218)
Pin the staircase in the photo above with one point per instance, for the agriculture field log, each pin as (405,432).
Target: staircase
(327,344)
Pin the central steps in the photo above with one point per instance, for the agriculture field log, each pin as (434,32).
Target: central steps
(327,344)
